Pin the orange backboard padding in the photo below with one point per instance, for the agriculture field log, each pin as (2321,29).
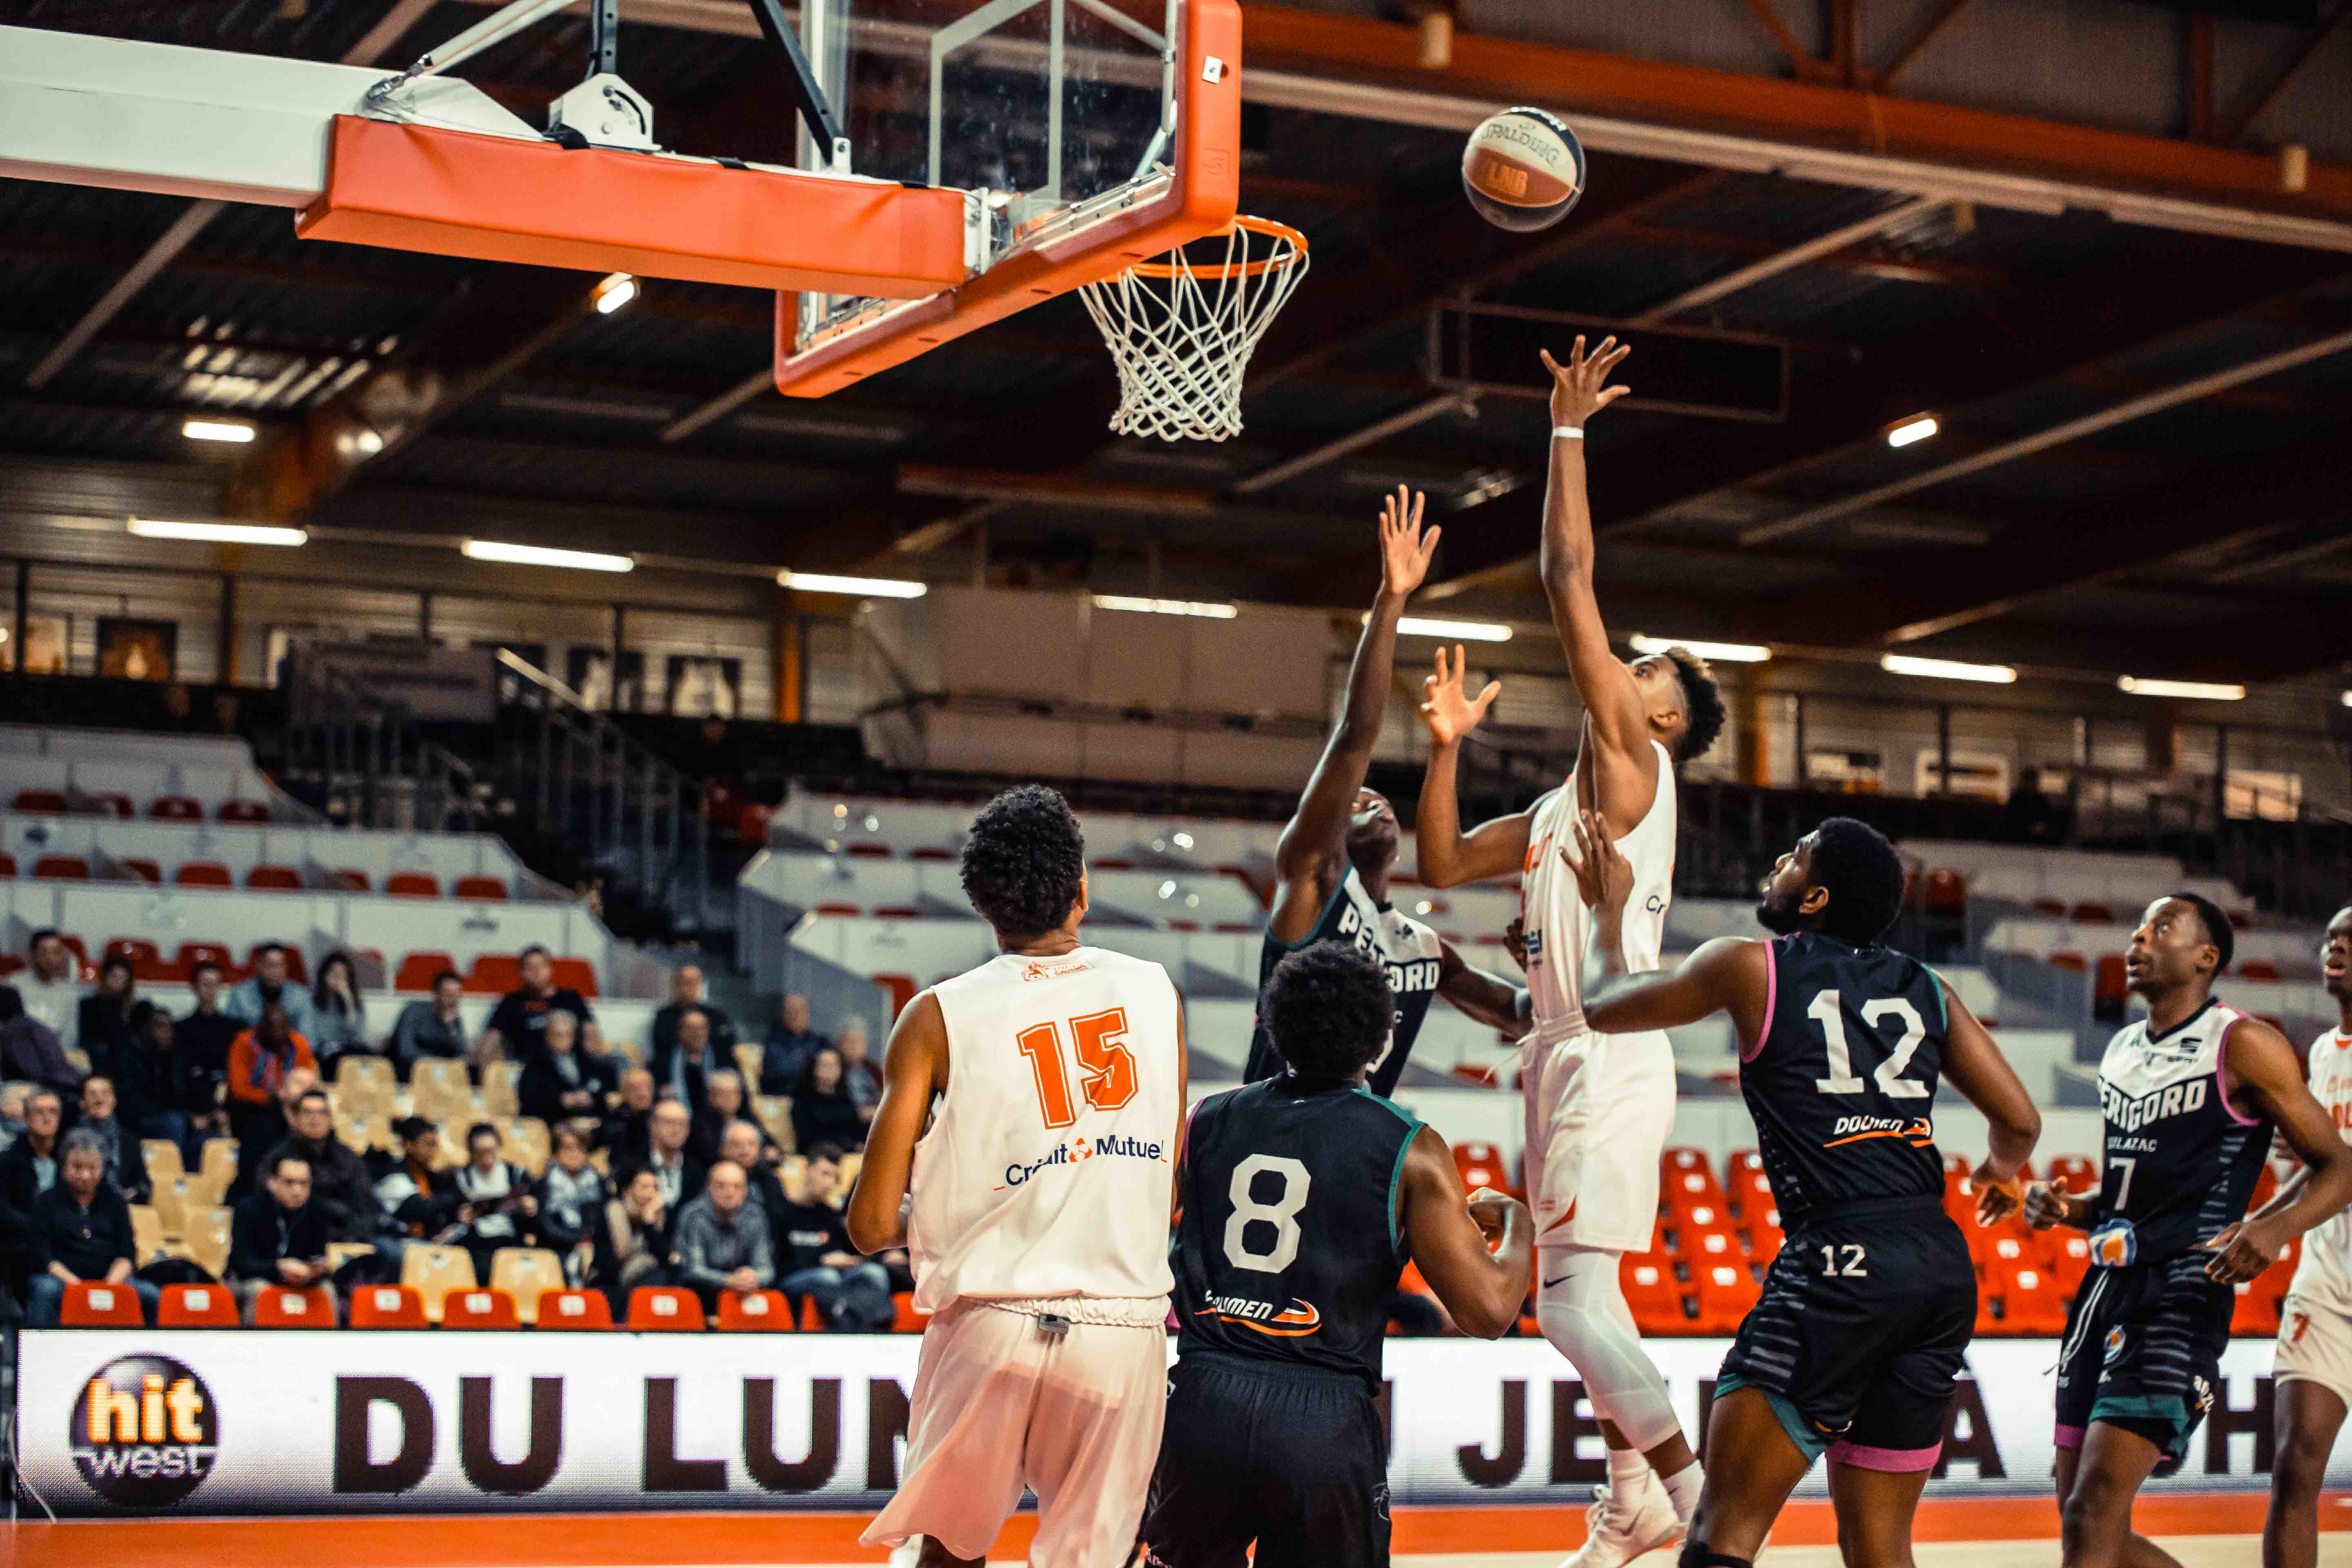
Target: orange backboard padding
(495,198)
(1201,199)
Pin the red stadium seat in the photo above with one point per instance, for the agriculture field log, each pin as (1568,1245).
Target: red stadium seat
(352,881)
(244,811)
(412,885)
(2032,1303)
(1947,892)
(482,890)
(2091,912)
(204,874)
(62,868)
(274,878)
(387,1307)
(43,802)
(285,1308)
(2074,961)
(1764,1235)
(1749,1187)
(1724,1293)
(417,970)
(175,808)
(7,864)
(656,1309)
(1714,1243)
(576,974)
(760,1312)
(841,911)
(196,1307)
(485,1309)
(2110,981)
(494,975)
(868,852)
(902,989)
(297,970)
(2072,1260)
(1686,1179)
(194,953)
(114,805)
(1652,1291)
(141,868)
(575,1309)
(138,950)
(93,1306)
(909,912)
(10,963)
(904,1319)
(926,852)
(2076,1171)
(1480,1165)
(2256,1313)
(752,822)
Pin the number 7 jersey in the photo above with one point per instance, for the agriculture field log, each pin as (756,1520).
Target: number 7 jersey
(1843,1083)
(1046,1173)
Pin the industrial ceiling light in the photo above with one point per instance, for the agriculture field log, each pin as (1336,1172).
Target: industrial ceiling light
(1205,609)
(615,293)
(1910,430)
(1464,631)
(1946,669)
(540,555)
(218,533)
(864,587)
(2198,690)
(235,431)
(1713,652)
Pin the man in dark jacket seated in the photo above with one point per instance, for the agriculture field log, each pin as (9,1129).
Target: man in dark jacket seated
(126,1163)
(562,1083)
(623,1135)
(81,1231)
(340,1187)
(266,1126)
(30,1167)
(276,1238)
(817,1258)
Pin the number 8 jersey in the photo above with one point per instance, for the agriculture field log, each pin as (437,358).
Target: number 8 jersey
(1843,1083)
(1046,1171)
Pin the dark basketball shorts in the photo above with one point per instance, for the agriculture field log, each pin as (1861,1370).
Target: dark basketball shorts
(1863,1323)
(2143,1351)
(1292,1459)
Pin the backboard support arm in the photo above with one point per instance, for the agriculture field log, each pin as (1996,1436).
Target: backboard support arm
(808,96)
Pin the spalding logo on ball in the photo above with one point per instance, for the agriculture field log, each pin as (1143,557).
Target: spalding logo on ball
(1523,169)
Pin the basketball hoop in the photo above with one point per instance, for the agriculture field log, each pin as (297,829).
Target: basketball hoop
(1181,332)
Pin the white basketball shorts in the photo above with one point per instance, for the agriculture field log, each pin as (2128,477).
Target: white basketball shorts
(1598,1110)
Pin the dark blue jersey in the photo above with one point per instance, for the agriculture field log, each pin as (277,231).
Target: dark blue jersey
(1409,950)
(2180,1162)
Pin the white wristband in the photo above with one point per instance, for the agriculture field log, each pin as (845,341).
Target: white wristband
(1567,432)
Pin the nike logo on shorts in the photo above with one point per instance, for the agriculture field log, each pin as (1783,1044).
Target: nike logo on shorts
(1550,1283)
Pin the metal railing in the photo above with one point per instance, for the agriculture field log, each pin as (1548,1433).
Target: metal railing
(362,761)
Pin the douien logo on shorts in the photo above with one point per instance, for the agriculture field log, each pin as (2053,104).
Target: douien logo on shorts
(144,1432)
(1080,1150)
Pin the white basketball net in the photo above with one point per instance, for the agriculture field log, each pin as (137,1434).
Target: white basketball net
(1181,332)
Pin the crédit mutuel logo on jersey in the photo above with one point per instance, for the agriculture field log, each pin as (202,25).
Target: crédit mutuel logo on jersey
(1081,1149)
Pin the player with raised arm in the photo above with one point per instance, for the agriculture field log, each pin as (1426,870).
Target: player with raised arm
(2313,1370)
(2189,1095)
(1333,861)
(1598,1107)
(1038,1223)
(1867,1312)
(1303,1197)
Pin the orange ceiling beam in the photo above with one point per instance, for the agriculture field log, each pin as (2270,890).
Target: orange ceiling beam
(1850,119)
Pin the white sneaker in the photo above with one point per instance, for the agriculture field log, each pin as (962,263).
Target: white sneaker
(1617,1531)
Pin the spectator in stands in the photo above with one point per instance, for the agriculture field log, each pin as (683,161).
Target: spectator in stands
(498,1206)
(519,1020)
(784,1054)
(338,1017)
(684,1076)
(102,1021)
(276,1235)
(853,1292)
(623,1136)
(722,1103)
(200,1045)
(126,1165)
(259,1059)
(12,1112)
(632,1243)
(823,1112)
(340,1187)
(858,1073)
(723,1244)
(81,1230)
(679,1172)
(269,985)
(572,1198)
(559,1083)
(747,1146)
(52,985)
(266,1126)
(686,988)
(420,1200)
(30,1051)
(29,1167)
(435,1028)
(146,1075)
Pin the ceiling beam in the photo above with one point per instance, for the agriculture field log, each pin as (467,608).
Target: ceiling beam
(137,275)
(1790,258)
(2316,40)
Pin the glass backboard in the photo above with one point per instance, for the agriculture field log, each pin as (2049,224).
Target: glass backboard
(1056,115)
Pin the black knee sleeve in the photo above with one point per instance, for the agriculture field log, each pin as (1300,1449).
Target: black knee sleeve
(1696,1556)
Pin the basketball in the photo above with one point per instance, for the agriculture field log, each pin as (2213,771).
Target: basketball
(1523,169)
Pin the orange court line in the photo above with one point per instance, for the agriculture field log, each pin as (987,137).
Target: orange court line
(654,1540)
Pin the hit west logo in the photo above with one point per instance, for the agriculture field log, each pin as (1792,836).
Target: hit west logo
(145,1432)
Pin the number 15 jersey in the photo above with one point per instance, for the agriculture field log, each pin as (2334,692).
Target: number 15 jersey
(1046,1173)
(1843,1084)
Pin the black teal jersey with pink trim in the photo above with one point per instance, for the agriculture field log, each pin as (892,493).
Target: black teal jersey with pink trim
(2180,1161)
(1843,1084)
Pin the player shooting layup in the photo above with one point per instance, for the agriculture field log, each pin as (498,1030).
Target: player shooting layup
(1333,861)
(1598,1107)
(1039,1225)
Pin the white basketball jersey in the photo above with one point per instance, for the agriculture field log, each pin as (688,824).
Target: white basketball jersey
(1049,1163)
(2323,1276)
(1560,928)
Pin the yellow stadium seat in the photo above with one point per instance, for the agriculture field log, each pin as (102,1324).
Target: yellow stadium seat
(146,1233)
(218,1166)
(524,1273)
(365,1085)
(433,1271)
(748,1057)
(499,1081)
(163,1157)
(206,1239)
(774,1112)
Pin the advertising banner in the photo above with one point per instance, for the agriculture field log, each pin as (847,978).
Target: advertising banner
(190,1422)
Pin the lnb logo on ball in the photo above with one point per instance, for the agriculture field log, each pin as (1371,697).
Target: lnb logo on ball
(145,1432)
